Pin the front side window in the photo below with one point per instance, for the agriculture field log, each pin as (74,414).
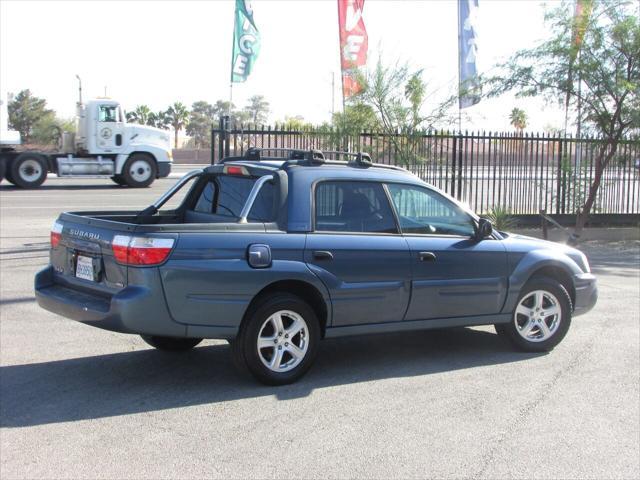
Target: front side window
(107,113)
(357,207)
(426,212)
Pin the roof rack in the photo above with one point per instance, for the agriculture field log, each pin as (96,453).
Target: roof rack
(315,157)
(301,157)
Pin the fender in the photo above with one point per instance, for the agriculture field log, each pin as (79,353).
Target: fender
(160,154)
(529,264)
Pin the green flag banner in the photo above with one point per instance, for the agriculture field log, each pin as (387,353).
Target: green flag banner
(246,42)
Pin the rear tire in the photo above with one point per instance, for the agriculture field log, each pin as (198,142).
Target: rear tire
(278,340)
(171,344)
(541,318)
(139,171)
(28,170)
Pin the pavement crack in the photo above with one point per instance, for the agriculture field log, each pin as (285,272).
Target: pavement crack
(529,407)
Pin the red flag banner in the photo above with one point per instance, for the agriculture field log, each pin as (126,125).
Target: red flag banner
(354,44)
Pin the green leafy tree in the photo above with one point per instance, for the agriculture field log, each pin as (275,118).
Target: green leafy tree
(591,59)
(257,109)
(48,130)
(226,108)
(295,122)
(140,115)
(201,119)
(178,117)
(518,119)
(398,96)
(25,111)
(357,116)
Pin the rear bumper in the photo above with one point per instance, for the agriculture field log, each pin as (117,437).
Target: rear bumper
(164,169)
(586,293)
(134,309)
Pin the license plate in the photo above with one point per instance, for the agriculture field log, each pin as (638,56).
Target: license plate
(84,268)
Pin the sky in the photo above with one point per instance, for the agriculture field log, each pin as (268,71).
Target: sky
(159,52)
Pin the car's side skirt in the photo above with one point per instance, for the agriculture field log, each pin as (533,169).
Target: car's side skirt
(371,328)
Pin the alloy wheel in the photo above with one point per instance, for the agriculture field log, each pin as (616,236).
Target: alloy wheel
(283,341)
(538,316)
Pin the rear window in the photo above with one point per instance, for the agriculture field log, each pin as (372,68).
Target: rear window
(225,195)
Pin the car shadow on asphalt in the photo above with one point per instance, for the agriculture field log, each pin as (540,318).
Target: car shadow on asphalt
(148,380)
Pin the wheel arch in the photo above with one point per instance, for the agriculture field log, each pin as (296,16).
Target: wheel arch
(122,158)
(305,290)
(558,273)
(548,263)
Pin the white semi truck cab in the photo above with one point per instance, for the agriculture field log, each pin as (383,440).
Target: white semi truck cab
(104,146)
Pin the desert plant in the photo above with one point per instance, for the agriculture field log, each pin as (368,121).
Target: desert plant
(501,218)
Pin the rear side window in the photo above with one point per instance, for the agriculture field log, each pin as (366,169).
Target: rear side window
(358,207)
(226,195)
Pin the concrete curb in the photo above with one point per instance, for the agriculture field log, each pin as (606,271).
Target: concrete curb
(596,233)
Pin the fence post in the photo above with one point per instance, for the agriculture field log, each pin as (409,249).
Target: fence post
(459,196)
(453,164)
(212,157)
(227,136)
(559,176)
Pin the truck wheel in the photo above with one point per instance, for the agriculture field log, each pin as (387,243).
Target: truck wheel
(171,344)
(118,179)
(28,170)
(278,340)
(139,170)
(541,318)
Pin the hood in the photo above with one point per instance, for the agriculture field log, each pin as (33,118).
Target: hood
(143,134)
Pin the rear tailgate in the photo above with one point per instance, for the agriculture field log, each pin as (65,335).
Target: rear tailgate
(83,255)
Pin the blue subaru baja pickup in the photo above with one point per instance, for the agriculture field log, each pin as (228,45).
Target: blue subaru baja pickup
(276,252)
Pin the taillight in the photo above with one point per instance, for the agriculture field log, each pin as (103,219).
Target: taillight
(235,170)
(56,234)
(141,250)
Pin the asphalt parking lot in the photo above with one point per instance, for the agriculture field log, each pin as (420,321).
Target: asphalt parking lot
(78,402)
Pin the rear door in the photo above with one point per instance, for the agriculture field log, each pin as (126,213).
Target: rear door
(357,252)
(454,275)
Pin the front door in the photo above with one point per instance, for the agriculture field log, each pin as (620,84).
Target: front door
(357,251)
(453,274)
(109,128)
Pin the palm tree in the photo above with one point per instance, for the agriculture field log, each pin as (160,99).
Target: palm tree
(178,118)
(140,115)
(518,119)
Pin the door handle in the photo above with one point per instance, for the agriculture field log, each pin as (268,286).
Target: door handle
(427,256)
(322,255)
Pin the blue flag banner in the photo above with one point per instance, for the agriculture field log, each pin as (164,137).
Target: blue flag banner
(469,86)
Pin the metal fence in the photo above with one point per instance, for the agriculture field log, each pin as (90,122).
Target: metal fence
(524,173)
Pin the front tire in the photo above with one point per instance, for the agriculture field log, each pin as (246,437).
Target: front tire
(278,341)
(541,318)
(171,344)
(139,170)
(28,170)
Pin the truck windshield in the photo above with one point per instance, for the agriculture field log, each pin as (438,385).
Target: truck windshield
(225,195)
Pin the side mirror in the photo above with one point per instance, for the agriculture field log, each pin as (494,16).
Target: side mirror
(484,229)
